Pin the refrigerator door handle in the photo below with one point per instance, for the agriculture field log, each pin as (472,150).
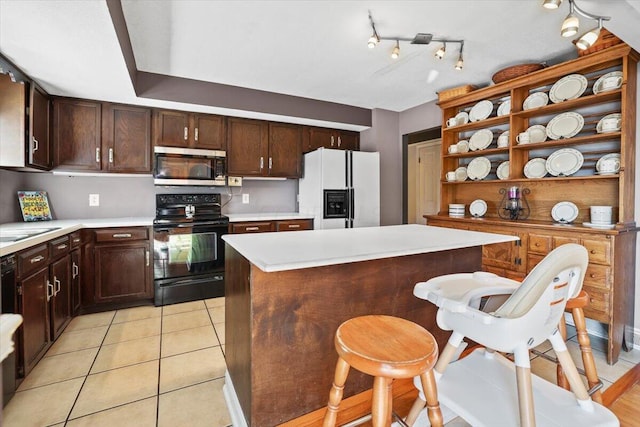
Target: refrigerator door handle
(352,206)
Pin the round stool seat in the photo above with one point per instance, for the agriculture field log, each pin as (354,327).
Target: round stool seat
(386,346)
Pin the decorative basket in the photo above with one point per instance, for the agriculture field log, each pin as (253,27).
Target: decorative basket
(516,71)
(454,92)
(605,40)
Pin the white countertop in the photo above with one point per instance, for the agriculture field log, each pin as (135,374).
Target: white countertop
(315,248)
(267,216)
(63,227)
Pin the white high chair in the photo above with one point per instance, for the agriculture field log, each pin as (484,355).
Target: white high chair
(482,387)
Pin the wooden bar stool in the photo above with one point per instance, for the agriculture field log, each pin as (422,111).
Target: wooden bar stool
(386,348)
(576,305)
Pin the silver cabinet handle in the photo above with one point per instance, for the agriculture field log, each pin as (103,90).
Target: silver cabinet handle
(98,155)
(261,163)
(294,225)
(57,283)
(186,133)
(75,270)
(36,259)
(49,288)
(147,257)
(251,228)
(195,136)
(110,155)
(121,235)
(35,144)
(332,140)
(76,240)
(270,163)
(62,246)
(339,141)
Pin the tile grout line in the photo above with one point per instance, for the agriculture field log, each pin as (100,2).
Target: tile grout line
(159,369)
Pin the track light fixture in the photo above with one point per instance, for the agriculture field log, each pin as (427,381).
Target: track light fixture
(420,38)
(571,23)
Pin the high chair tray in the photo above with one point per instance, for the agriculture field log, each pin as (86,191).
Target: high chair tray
(482,390)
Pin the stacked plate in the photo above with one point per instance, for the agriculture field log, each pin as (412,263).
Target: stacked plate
(456,210)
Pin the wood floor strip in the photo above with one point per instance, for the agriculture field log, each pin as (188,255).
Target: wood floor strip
(620,387)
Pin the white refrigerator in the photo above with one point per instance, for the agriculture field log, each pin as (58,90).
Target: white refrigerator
(341,188)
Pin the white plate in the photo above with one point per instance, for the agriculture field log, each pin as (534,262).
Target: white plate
(597,86)
(565,162)
(503,170)
(535,168)
(478,208)
(535,100)
(565,125)
(568,87)
(564,212)
(463,146)
(504,108)
(599,226)
(607,157)
(462,118)
(480,140)
(478,168)
(537,133)
(461,174)
(481,110)
(599,128)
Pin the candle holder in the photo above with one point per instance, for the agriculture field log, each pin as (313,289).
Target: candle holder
(514,204)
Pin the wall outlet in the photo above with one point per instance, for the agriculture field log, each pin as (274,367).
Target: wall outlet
(234,181)
(94,200)
(245,198)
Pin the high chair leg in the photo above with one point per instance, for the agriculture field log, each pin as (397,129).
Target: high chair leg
(525,388)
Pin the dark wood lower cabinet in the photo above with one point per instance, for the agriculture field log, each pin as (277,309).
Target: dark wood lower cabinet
(60,295)
(76,280)
(122,272)
(33,335)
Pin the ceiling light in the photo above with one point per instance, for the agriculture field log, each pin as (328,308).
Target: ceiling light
(571,24)
(460,62)
(551,4)
(589,38)
(418,39)
(396,50)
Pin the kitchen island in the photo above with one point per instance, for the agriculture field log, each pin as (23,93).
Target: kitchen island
(287,293)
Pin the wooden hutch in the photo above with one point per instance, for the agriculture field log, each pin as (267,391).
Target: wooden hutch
(610,278)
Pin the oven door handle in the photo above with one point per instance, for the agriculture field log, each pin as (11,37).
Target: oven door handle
(191,225)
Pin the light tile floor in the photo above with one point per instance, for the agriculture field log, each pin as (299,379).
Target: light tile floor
(164,366)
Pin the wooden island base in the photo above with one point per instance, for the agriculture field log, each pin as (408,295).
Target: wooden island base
(280,326)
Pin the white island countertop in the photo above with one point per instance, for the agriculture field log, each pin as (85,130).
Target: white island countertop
(314,248)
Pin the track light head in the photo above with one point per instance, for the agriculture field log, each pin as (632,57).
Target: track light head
(459,64)
(589,38)
(395,53)
(551,4)
(570,25)
(373,41)
(440,52)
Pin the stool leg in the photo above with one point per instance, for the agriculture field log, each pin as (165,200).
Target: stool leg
(585,349)
(428,380)
(380,406)
(335,396)
(560,378)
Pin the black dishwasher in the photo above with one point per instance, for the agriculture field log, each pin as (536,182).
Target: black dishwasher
(8,299)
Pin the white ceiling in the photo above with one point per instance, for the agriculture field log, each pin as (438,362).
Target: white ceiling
(312,49)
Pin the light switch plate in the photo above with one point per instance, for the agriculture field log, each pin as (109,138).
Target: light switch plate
(245,198)
(94,200)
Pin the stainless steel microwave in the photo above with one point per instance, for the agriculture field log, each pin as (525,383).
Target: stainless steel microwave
(189,166)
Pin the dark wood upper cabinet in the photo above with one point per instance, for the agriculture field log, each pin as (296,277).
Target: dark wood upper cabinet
(285,150)
(247,147)
(39,150)
(331,138)
(76,137)
(348,140)
(126,139)
(189,130)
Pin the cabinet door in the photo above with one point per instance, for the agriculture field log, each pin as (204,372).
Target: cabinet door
(349,141)
(75,281)
(247,148)
(76,137)
(122,272)
(33,307)
(12,122)
(320,137)
(40,117)
(285,150)
(126,138)
(61,300)
(171,128)
(209,132)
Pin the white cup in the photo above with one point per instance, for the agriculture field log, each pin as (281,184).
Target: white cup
(601,214)
(612,82)
(452,122)
(523,138)
(610,165)
(611,123)
(451,176)
(503,140)
(453,149)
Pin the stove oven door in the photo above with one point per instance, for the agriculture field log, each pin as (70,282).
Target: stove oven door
(188,262)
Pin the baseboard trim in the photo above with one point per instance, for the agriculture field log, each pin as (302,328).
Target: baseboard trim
(624,383)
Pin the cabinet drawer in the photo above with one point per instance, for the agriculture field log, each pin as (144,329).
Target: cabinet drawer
(59,247)
(32,259)
(294,225)
(75,239)
(539,243)
(121,234)
(598,307)
(599,276)
(252,227)
(599,250)
(561,240)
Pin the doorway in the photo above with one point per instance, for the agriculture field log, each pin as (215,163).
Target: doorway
(423,180)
